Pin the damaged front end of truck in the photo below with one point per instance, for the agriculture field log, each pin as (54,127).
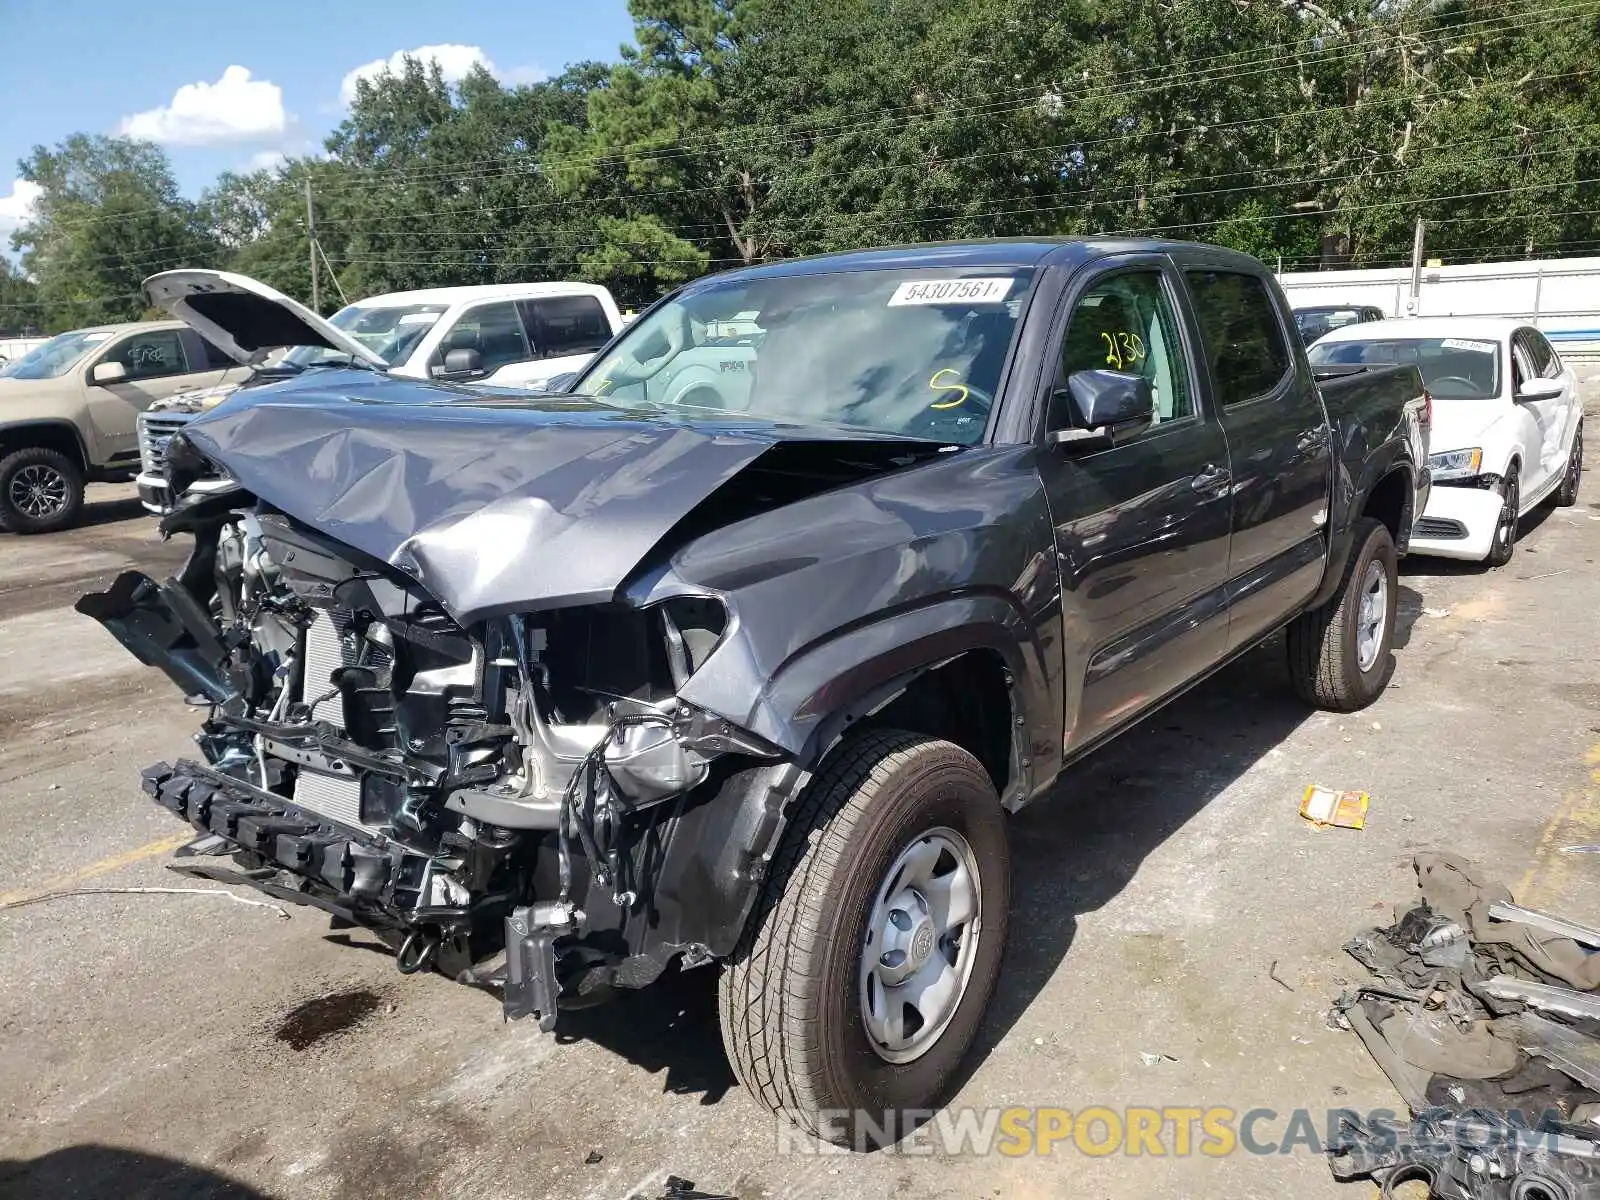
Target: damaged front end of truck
(434,710)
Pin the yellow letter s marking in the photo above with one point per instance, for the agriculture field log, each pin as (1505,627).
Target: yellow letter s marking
(935,385)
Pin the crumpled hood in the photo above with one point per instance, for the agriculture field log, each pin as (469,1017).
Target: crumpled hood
(1459,424)
(493,504)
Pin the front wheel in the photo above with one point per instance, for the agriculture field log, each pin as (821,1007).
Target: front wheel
(872,954)
(1567,493)
(1504,544)
(1339,653)
(41,491)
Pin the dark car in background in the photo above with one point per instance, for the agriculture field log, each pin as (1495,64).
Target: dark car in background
(1314,321)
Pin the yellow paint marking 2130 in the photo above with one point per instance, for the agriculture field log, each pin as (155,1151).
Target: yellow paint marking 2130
(104,867)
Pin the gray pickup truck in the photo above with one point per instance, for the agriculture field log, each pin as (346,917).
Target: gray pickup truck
(553,691)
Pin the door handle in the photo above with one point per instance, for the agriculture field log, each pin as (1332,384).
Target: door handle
(1211,478)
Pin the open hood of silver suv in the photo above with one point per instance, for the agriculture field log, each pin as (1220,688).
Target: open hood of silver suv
(247,319)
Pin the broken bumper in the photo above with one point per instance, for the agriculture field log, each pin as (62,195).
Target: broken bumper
(1459,522)
(154,493)
(350,875)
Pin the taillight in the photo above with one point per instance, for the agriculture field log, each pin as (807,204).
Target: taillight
(1427,407)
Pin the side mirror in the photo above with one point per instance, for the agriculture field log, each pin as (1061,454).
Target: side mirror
(463,363)
(1101,407)
(1540,389)
(560,383)
(108,372)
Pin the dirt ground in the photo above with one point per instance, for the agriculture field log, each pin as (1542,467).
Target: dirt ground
(1176,936)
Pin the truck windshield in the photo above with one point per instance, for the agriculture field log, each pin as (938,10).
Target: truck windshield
(910,353)
(1452,368)
(389,331)
(56,357)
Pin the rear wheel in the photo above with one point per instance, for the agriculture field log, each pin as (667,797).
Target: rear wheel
(1339,653)
(41,491)
(1567,493)
(871,957)
(1504,544)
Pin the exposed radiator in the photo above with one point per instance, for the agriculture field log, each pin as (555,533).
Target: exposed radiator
(336,797)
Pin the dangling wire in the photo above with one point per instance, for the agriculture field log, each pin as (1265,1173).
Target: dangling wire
(585,779)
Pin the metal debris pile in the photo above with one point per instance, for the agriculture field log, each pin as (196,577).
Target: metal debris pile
(1486,1017)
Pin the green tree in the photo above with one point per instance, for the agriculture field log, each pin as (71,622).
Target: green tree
(110,214)
(19,300)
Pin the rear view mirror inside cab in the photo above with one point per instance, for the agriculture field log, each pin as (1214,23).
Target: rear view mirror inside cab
(1100,407)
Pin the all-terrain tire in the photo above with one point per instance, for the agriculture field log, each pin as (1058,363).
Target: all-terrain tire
(790,999)
(1323,643)
(1567,493)
(41,491)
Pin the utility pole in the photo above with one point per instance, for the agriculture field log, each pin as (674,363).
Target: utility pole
(1416,270)
(311,247)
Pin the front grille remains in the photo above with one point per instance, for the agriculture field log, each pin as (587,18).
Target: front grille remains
(1440,527)
(155,431)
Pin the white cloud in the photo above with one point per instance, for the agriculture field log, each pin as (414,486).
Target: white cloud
(519,76)
(454,63)
(17,208)
(266,160)
(234,108)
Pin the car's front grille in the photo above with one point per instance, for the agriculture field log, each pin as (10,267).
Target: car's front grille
(1440,527)
(155,430)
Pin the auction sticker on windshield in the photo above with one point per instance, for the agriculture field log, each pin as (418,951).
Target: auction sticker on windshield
(989,290)
(1467,344)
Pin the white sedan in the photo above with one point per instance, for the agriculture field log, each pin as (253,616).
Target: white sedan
(1507,424)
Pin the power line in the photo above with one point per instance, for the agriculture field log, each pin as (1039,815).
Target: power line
(1170,78)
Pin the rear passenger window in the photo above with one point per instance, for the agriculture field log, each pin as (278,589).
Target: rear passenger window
(563,325)
(1243,338)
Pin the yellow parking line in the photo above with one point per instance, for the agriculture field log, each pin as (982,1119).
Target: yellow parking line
(103,867)
(1576,821)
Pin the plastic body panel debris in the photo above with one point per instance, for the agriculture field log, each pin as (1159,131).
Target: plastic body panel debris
(1486,1018)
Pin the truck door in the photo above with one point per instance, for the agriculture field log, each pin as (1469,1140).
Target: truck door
(1278,442)
(156,368)
(1141,528)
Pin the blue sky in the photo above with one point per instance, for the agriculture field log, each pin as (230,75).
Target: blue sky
(228,85)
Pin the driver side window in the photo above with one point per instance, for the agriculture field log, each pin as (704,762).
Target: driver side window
(150,355)
(1127,323)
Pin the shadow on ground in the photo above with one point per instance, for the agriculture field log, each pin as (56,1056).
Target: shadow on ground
(1074,851)
(112,1173)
